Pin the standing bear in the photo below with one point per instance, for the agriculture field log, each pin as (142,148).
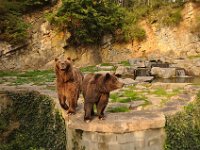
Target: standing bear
(69,84)
(96,90)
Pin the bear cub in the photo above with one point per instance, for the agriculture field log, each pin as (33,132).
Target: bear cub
(69,82)
(96,90)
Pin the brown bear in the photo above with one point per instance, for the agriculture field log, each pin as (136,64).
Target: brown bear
(69,84)
(96,90)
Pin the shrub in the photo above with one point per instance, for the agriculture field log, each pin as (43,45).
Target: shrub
(183,129)
(13,29)
(172,18)
(88,21)
(40,125)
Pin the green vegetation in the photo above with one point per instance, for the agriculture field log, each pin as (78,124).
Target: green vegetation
(118,109)
(36,77)
(88,21)
(194,56)
(163,92)
(183,129)
(91,69)
(41,126)
(127,96)
(106,64)
(13,28)
(125,63)
(169,15)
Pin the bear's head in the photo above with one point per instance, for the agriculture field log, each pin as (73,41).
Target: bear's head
(63,64)
(107,82)
(64,69)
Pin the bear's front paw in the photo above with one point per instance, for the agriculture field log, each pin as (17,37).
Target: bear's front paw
(101,117)
(87,121)
(71,113)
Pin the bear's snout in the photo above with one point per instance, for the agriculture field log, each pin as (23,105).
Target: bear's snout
(120,85)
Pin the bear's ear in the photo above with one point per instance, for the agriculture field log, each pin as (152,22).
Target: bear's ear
(95,78)
(107,76)
(56,59)
(118,75)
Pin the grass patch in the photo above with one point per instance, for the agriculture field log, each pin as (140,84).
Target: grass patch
(118,109)
(106,64)
(8,73)
(194,56)
(38,77)
(164,93)
(127,96)
(125,63)
(160,92)
(91,69)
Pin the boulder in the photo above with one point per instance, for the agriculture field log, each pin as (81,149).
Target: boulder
(127,81)
(121,70)
(125,71)
(163,72)
(194,70)
(137,62)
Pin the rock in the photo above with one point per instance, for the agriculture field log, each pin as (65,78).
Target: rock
(45,28)
(194,71)
(105,67)
(125,71)
(104,72)
(192,53)
(119,122)
(197,62)
(127,81)
(139,62)
(106,40)
(163,72)
(121,70)
(115,105)
(135,104)
(144,78)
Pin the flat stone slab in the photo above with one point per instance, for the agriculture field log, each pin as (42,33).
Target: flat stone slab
(144,78)
(118,122)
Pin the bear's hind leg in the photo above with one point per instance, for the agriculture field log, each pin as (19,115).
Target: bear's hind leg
(88,107)
(101,105)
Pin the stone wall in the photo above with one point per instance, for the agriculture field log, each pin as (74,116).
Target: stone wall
(152,139)
(121,131)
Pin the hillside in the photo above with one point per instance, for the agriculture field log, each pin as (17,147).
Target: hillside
(150,30)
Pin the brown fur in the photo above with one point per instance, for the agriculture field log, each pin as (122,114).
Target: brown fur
(96,90)
(69,83)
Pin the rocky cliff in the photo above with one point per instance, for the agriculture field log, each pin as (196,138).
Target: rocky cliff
(46,43)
